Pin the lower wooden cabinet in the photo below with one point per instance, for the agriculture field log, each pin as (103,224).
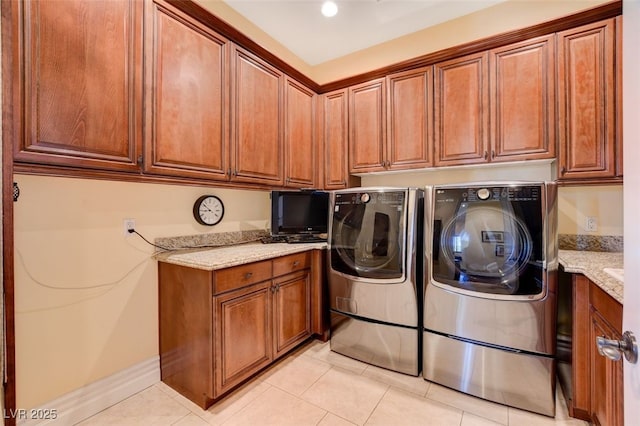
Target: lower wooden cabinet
(219,328)
(594,391)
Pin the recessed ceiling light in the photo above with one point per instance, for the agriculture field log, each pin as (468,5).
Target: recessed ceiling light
(329,8)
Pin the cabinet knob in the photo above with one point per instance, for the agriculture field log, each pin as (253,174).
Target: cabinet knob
(486,155)
(614,349)
(563,170)
(493,154)
(248,275)
(296,263)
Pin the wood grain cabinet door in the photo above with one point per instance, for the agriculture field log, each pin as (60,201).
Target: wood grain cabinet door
(242,342)
(299,135)
(462,110)
(188,96)
(523,100)
(257,120)
(367,127)
(291,311)
(80,80)
(335,134)
(586,113)
(410,119)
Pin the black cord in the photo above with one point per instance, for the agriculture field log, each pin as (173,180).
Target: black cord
(133,231)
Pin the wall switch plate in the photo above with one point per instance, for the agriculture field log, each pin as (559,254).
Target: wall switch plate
(129,224)
(591,224)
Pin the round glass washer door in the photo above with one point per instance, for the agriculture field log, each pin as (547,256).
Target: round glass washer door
(486,242)
(372,246)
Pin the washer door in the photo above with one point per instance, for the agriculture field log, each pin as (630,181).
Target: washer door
(368,234)
(489,245)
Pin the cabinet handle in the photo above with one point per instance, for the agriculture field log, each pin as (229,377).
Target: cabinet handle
(248,275)
(493,154)
(563,170)
(486,155)
(296,263)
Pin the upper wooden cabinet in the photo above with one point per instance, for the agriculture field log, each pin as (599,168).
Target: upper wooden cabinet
(587,61)
(335,137)
(300,135)
(257,120)
(367,127)
(78,83)
(522,100)
(497,106)
(187,96)
(410,119)
(462,110)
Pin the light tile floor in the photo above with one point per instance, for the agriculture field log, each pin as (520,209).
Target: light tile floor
(315,386)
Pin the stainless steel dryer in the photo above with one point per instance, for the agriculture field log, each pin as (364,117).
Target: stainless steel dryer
(490,292)
(375,276)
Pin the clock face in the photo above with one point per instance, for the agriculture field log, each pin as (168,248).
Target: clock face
(208,210)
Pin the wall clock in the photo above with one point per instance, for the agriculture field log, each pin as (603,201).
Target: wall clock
(208,210)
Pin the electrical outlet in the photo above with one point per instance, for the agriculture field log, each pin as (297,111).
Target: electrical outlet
(591,224)
(129,224)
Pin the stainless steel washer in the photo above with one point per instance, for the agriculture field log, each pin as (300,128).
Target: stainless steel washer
(490,292)
(375,276)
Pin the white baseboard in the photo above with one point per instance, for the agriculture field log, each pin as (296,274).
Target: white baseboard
(94,397)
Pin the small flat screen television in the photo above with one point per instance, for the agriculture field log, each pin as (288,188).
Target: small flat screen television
(299,212)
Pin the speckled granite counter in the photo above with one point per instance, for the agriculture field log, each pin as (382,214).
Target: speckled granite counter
(224,257)
(591,265)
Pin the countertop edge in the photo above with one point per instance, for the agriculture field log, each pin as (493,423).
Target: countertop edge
(591,265)
(225,257)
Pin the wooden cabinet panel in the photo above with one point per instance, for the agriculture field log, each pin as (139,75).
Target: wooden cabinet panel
(218,328)
(618,66)
(186,331)
(299,135)
(241,276)
(586,113)
(523,100)
(410,119)
(187,117)
(367,127)
(257,119)
(292,263)
(291,311)
(243,336)
(461,110)
(80,74)
(335,133)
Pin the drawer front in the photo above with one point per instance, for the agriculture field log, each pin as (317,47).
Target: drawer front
(241,276)
(294,262)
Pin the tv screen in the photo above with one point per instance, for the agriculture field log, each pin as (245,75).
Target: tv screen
(299,212)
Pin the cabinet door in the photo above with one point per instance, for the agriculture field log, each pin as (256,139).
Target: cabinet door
(606,377)
(187,130)
(299,135)
(243,343)
(523,100)
(586,113)
(291,311)
(410,119)
(462,110)
(81,83)
(257,120)
(367,127)
(335,132)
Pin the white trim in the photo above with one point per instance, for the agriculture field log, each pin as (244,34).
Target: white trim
(97,396)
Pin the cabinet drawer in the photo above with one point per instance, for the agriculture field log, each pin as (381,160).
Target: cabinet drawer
(241,276)
(295,262)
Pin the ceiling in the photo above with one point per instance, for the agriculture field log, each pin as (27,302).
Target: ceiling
(300,27)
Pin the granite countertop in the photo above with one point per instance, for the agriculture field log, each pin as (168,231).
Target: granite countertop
(591,264)
(233,255)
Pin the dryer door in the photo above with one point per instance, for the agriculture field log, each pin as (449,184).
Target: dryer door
(488,240)
(367,236)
